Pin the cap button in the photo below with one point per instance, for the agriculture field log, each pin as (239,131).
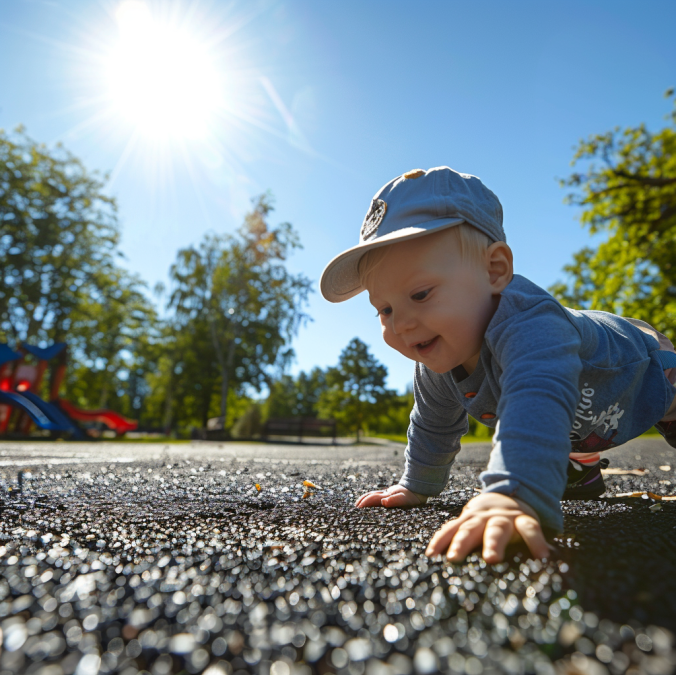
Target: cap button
(416,173)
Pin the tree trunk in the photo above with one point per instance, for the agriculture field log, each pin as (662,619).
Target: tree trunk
(169,402)
(358,412)
(103,400)
(225,362)
(225,378)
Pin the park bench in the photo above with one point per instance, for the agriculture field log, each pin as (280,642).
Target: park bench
(299,426)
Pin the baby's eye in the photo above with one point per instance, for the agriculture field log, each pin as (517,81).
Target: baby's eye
(386,311)
(420,296)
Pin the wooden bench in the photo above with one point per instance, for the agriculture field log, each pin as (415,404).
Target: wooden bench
(299,426)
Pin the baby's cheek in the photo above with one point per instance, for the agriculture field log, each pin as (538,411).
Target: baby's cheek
(395,342)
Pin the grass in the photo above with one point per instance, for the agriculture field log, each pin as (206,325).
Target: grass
(401,438)
(146,440)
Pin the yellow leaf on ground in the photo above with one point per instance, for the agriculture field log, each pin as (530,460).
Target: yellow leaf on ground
(652,495)
(307,494)
(310,484)
(258,487)
(623,472)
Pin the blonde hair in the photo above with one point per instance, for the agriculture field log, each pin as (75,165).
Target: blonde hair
(471,243)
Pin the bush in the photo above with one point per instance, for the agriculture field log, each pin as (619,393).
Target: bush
(249,424)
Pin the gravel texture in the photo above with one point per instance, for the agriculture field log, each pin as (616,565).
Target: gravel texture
(175,561)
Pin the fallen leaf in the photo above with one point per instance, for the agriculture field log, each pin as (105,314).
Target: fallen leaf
(310,484)
(307,494)
(623,472)
(652,495)
(665,467)
(258,487)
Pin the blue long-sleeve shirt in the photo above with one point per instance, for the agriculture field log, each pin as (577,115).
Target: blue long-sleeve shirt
(550,380)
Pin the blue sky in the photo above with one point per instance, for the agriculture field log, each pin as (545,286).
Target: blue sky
(323,103)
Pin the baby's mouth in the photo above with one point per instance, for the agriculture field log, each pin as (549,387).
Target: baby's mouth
(426,346)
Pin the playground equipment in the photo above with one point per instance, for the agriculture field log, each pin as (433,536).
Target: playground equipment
(20,382)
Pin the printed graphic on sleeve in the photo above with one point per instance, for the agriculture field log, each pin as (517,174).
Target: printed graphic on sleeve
(594,432)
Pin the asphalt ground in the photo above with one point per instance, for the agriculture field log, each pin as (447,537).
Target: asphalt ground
(128,558)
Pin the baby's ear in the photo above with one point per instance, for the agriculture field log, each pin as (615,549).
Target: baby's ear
(500,265)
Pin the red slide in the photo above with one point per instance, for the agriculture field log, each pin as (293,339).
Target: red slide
(112,420)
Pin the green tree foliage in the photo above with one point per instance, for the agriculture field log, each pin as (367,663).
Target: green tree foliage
(61,281)
(237,295)
(394,419)
(296,397)
(109,335)
(356,394)
(626,190)
(58,238)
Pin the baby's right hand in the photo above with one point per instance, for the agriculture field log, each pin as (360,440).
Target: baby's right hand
(396,496)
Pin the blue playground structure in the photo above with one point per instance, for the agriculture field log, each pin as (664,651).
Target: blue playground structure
(44,415)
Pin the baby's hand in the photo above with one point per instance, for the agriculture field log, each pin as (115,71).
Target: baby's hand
(395,496)
(495,519)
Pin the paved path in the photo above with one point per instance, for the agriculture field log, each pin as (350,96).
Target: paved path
(645,451)
(173,558)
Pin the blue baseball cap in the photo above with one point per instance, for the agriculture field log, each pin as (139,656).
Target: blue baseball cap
(413,205)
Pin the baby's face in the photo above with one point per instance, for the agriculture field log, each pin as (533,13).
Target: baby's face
(434,307)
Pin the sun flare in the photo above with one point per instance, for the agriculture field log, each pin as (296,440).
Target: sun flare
(161,78)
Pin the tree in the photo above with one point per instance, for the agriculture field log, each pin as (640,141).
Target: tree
(296,397)
(108,335)
(239,290)
(58,238)
(356,394)
(60,281)
(628,191)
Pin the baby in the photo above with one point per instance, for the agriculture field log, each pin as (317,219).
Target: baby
(558,385)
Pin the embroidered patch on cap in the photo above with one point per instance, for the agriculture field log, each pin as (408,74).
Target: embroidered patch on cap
(416,173)
(373,219)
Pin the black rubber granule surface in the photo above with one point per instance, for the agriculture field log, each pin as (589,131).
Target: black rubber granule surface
(191,568)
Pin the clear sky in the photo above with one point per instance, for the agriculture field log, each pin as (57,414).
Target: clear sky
(196,106)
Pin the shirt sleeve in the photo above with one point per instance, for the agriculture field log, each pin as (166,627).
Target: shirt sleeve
(539,353)
(437,423)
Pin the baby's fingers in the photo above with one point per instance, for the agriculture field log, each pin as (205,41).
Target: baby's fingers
(497,534)
(531,533)
(399,499)
(467,538)
(370,499)
(442,538)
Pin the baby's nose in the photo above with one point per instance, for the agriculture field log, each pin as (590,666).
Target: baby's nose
(402,322)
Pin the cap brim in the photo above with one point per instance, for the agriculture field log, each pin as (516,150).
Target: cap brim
(340,278)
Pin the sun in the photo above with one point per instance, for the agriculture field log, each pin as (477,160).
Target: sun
(161,78)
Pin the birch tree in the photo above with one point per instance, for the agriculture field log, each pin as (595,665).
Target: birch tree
(238,286)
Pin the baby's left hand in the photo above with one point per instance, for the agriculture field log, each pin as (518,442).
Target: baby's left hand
(495,519)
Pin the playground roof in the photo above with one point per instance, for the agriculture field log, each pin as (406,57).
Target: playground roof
(45,354)
(8,354)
